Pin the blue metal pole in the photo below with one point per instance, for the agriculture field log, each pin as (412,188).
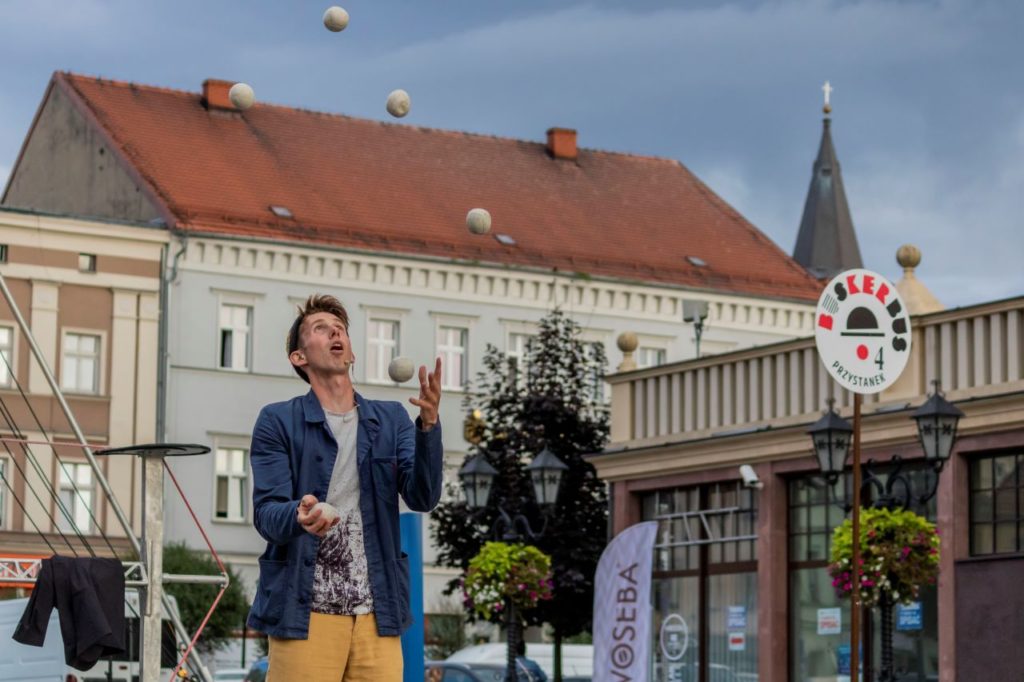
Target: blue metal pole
(412,640)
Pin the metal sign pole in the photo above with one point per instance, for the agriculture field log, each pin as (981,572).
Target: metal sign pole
(855,595)
(862,333)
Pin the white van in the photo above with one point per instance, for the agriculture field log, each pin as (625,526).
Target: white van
(22,663)
(577,659)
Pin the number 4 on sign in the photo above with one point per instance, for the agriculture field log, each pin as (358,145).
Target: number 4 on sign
(878,359)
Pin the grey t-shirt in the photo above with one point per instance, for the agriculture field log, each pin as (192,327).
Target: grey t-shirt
(341,580)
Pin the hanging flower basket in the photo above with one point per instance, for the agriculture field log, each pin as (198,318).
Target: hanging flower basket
(899,553)
(506,572)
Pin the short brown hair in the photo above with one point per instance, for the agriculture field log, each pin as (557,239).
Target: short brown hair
(317,303)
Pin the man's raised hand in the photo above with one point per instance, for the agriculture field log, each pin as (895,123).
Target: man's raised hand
(430,395)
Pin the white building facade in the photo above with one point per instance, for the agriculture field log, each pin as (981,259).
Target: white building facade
(232,302)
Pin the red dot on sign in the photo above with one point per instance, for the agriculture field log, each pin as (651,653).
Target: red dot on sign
(862,352)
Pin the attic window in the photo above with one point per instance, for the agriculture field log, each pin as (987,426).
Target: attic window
(281,211)
(699,262)
(505,239)
(87,262)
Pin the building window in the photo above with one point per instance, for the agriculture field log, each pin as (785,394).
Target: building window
(231,484)
(3,253)
(87,262)
(80,367)
(599,390)
(5,483)
(6,356)
(819,620)
(235,336)
(76,493)
(705,579)
(649,357)
(997,504)
(518,355)
(453,347)
(381,348)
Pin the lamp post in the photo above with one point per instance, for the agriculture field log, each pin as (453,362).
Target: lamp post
(937,420)
(477,478)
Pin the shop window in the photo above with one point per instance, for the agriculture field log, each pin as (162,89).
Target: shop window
(705,582)
(819,620)
(997,504)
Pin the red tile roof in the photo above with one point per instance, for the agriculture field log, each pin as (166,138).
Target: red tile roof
(391,188)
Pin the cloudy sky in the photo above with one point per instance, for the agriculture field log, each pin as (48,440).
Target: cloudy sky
(928,101)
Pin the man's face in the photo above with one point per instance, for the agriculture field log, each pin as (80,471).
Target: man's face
(324,346)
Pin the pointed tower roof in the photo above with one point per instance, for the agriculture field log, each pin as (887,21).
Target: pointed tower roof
(827,243)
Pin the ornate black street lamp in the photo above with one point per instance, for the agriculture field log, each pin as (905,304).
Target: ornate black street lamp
(477,479)
(831,436)
(937,422)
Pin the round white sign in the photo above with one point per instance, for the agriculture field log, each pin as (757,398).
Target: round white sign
(862,330)
(675,637)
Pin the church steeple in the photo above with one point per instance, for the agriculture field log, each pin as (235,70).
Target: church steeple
(827,243)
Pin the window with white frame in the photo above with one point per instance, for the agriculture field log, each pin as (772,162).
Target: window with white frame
(80,366)
(6,356)
(235,336)
(453,348)
(5,480)
(599,390)
(381,348)
(646,356)
(229,504)
(76,497)
(517,355)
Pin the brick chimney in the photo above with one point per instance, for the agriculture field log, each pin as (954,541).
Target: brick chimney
(215,94)
(562,143)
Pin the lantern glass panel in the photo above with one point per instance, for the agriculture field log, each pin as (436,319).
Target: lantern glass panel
(545,485)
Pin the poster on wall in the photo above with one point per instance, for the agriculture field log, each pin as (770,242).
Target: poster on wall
(622,605)
(909,617)
(830,621)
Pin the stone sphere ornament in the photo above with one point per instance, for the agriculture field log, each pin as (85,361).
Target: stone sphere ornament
(401,370)
(242,96)
(399,103)
(478,220)
(335,19)
(327,511)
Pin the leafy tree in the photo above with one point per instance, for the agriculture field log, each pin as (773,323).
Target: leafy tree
(194,600)
(550,400)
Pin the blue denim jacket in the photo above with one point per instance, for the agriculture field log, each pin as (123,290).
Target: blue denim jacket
(293,453)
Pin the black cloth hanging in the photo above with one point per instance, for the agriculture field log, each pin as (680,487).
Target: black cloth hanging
(88,594)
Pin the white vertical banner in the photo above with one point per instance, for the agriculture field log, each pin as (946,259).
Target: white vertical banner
(622,605)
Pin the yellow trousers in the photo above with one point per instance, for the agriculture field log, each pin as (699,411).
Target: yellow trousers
(338,649)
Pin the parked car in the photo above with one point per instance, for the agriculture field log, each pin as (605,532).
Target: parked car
(258,671)
(444,671)
(230,675)
(577,659)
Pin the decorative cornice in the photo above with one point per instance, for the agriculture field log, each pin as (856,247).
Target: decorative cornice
(491,285)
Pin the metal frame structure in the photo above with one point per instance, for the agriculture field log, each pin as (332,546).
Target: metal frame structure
(146,575)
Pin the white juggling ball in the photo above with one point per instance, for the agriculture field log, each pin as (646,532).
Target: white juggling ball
(335,19)
(327,511)
(401,370)
(478,220)
(242,96)
(399,103)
